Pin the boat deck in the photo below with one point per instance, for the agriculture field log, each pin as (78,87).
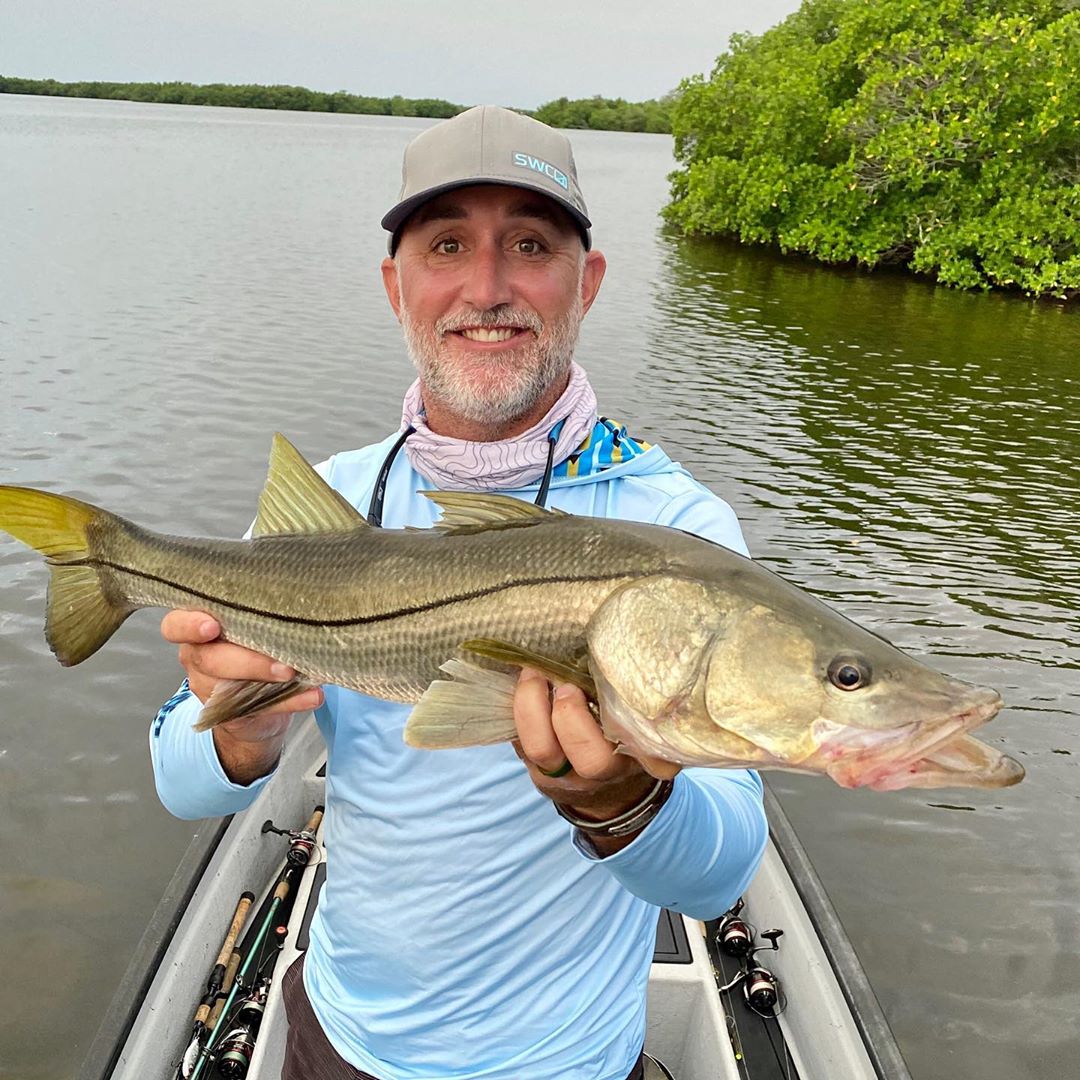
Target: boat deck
(699,1033)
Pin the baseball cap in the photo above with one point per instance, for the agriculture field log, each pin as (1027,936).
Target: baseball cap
(488,145)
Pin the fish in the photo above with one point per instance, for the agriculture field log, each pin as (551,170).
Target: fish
(687,651)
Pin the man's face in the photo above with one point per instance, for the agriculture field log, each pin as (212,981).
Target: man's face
(490,284)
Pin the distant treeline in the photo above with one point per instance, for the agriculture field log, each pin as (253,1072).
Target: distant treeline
(607,114)
(237,96)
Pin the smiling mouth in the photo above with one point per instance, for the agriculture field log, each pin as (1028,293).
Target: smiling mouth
(489,334)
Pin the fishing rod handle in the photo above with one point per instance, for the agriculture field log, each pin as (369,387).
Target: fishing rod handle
(316,820)
(237,924)
(218,972)
(230,979)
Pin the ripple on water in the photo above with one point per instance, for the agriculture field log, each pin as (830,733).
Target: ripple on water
(910,454)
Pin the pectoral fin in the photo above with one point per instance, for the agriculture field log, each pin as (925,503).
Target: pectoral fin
(557,671)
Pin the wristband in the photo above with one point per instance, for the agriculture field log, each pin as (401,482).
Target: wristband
(629,821)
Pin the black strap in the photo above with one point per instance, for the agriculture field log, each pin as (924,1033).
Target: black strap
(541,495)
(375,508)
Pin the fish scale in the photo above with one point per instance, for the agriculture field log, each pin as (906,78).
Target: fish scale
(379,610)
(692,652)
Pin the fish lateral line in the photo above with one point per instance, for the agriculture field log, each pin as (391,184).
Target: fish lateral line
(363,620)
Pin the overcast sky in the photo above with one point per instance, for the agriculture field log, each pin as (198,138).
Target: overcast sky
(468,51)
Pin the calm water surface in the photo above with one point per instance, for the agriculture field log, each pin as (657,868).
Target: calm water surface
(176,284)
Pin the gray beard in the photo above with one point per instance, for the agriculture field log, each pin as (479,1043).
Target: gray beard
(525,374)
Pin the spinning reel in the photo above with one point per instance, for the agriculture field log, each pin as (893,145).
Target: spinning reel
(761,989)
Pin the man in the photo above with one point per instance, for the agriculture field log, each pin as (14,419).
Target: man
(488,912)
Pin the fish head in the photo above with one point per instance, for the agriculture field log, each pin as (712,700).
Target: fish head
(766,676)
(821,694)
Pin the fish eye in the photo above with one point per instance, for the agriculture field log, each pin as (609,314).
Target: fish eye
(847,673)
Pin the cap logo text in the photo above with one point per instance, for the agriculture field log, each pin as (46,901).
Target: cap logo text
(527,161)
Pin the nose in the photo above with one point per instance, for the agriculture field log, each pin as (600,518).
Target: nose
(487,280)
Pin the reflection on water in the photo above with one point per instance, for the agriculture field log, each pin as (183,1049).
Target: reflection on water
(179,283)
(913,455)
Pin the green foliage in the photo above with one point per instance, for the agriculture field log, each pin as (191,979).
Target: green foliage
(242,96)
(607,114)
(943,135)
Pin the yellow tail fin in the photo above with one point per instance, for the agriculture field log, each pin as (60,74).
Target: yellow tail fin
(80,615)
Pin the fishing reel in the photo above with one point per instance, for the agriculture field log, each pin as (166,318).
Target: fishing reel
(234,1053)
(761,988)
(301,842)
(734,936)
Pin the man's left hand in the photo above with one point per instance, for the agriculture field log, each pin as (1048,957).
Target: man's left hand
(556,731)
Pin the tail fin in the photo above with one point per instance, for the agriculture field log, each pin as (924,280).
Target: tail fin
(80,615)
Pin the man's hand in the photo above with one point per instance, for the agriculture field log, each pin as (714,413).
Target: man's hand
(560,731)
(250,747)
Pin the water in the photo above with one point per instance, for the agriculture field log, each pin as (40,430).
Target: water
(178,283)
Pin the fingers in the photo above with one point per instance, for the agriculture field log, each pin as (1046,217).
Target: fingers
(222,660)
(569,759)
(202,654)
(581,738)
(555,731)
(532,716)
(180,627)
(206,660)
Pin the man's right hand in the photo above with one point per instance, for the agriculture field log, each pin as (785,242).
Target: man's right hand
(250,747)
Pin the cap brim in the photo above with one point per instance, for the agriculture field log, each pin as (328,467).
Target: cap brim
(396,217)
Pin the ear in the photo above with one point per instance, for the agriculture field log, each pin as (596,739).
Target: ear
(392,285)
(591,276)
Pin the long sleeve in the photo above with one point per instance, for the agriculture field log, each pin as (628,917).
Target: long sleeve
(190,781)
(700,852)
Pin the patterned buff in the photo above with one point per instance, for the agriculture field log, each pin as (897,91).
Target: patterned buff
(457,464)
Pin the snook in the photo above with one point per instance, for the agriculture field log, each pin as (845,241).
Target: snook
(693,653)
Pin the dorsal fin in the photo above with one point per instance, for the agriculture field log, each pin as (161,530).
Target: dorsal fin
(297,499)
(477,510)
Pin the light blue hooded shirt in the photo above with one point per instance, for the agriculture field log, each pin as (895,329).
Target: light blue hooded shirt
(464,932)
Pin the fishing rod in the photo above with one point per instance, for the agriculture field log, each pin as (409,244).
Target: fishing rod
(230,979)
(219,973)
(301,846)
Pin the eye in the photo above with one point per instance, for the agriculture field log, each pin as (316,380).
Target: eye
(447,246)
(529,247)
(849,673)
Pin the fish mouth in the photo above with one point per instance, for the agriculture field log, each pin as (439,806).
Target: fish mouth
(931,754)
